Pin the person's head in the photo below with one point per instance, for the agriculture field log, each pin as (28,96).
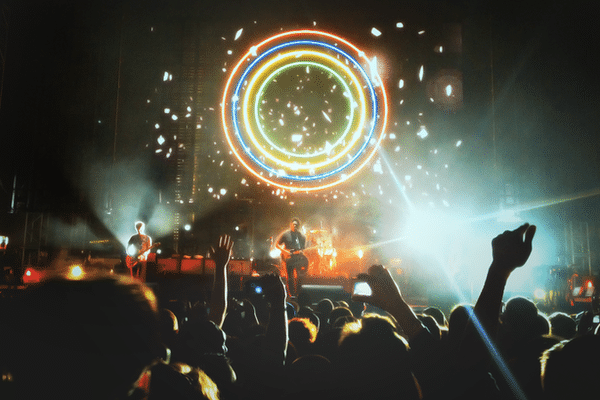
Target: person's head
(181,381)
(302,332)
(169,326)
(458,321)
(571,367)
(140,226)
(431,325)
(563,325)
(307,312)
(295,224)
(437,314)
(89,338)
(339,312)
(324,307)
(520,318)
(374,362)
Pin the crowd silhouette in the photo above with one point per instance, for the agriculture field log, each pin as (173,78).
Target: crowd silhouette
(107,337)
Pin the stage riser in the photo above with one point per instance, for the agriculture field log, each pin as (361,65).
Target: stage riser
(201,266)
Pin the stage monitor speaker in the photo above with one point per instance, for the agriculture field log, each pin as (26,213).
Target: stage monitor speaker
(239,267)
(316,293)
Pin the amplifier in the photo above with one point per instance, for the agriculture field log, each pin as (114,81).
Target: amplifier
(200,266)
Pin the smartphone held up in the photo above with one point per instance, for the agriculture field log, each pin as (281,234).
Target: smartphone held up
(362,288)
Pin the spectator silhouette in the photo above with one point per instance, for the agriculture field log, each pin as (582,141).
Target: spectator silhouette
(83,339)
(181,382)
(563,325)
(571,369)
(303,334)
(373,362)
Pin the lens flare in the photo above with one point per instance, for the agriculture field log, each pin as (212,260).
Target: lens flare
(304,110)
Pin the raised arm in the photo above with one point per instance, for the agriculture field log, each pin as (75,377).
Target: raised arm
(510,250)
(218,299)
(387,296)
(277,330)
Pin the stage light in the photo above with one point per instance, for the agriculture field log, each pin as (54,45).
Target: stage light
(75,272)
(32,276)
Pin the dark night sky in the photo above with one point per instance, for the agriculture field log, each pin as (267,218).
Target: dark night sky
(60,80)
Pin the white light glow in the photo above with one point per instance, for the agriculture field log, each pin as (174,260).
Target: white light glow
(238,33)
(75,272)
(275,253)
(375,32)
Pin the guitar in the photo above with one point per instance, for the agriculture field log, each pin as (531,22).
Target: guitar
(297,259)
(132,261)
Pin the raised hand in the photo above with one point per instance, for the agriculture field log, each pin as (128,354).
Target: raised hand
(387,296)
(511,249)
(385,292)
(222,254)
(274,289)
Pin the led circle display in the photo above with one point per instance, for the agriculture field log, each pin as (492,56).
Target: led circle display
(304,110)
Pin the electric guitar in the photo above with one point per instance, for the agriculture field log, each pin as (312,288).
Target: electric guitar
(132,261)
(297,259)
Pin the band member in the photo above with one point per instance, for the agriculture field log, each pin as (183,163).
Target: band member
(138,248)
(291,243)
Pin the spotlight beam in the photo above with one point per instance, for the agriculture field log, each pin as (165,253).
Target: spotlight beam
(540,204)
(399,185)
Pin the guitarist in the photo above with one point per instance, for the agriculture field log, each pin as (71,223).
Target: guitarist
(138,247)
(291,243)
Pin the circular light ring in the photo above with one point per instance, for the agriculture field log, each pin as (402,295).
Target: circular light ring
(278,171)
(317,154)
(354,144)
(256,108)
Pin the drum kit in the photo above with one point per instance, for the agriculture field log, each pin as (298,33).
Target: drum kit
(320,253)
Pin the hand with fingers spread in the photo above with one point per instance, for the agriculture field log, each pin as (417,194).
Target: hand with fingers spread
(218,302)
(511,249)
(222,254)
